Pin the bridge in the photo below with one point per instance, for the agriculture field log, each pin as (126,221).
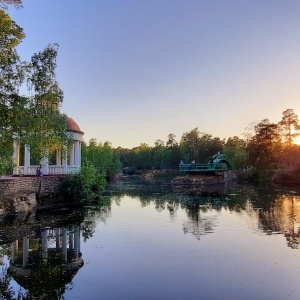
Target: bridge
(218,163)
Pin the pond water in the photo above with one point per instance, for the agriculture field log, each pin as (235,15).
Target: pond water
(147,241)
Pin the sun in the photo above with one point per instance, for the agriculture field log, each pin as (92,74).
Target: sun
(297,140)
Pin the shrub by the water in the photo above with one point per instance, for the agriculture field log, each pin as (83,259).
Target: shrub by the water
(84,187)
(131,171)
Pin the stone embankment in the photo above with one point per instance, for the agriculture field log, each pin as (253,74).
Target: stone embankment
(49,184)
(19,194)
(206,180)
(20,202)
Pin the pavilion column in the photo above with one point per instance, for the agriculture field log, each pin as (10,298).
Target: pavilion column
(26,160)
(72,155)
(44,235)
(14,250)
(45,170)
(16,157)
(64,244)
(71,238)
(25,251)
(58,158)
(77,155)
(65,162)
(76,242)
(57,240)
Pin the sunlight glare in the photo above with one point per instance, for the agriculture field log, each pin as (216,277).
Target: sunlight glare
(297,140)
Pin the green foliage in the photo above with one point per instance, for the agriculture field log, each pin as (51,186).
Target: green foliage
(171,143)
(84,187)
(289,126)
(185,152)
(16,3)
(102,156)
(11,35)
(161,155)
(264,146)
(199,146)
(11,77)
(143,157)
(12,71)
(6,165)
(131,171)
(190,143)
(271,148)
(34,120)
(6,148)
(45,130)
(235,151)
(263,150)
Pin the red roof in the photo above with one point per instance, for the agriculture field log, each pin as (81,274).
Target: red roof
(72,125)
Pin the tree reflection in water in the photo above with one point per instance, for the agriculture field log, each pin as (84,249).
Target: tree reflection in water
(201,206)
(92,215)
(272,212)
(45,260)
(44,251)
(281,216)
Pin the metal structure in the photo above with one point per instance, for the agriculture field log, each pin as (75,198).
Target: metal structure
(218,163)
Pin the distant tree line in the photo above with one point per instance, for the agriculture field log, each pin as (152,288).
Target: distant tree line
(267,147)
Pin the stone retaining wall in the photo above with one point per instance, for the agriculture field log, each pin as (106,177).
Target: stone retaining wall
(206,180)
(231,175)
(12,185)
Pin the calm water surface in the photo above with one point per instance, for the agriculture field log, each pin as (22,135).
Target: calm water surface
(149,242)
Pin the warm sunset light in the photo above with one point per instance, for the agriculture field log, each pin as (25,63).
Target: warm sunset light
(297,138)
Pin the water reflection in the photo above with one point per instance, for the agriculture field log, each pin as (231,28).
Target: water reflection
(45,265)
(43,254)
(93,215)
(199,221)
(270,211)
(282,216)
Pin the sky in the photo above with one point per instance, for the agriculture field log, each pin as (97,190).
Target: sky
(134,71)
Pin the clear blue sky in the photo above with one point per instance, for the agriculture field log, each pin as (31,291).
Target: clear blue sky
(133,71)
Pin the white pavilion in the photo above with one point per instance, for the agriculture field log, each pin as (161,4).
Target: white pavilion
(70,164)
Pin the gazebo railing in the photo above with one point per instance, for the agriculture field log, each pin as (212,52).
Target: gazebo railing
(52,170)
(21,170)
(56,170)
(72,170)
(203,167)
(32,170)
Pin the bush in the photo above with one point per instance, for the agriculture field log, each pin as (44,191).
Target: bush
(289,176)
(84,187)
(131,171)
(6,165)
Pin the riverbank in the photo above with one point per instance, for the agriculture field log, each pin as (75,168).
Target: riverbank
(45,185)
(25,194)
(206,180)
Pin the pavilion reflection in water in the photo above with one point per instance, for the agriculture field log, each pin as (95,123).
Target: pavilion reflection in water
(48,263)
